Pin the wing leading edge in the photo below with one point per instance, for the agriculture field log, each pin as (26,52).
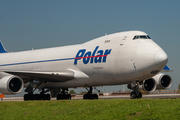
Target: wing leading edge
(62,76)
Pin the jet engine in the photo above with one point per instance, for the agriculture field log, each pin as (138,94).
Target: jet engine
(159,81)
(163,81)
(148,86)
(11,84)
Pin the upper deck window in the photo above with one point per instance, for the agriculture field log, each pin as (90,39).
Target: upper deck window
(141,37)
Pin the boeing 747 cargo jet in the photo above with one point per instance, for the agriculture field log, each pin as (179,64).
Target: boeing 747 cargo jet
(131,58)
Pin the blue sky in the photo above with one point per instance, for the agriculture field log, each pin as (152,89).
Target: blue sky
(49,23)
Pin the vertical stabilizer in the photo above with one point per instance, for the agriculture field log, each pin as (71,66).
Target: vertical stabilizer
(2,49)
(167,69)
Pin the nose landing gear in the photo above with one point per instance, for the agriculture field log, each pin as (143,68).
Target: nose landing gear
(135,93)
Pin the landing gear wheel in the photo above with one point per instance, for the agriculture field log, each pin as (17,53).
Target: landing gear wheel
(95,96)
(28,97)
(37,97)
(45,97)
(85,96)
(90,96)
(139,95)
(48,96)
(133,95)
(63,96)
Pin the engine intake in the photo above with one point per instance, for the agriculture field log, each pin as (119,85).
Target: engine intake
(163,81)
(11,85)
(148,86)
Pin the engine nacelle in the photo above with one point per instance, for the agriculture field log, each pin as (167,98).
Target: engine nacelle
(159,81)
(148,86)
(163,81)
(11,84)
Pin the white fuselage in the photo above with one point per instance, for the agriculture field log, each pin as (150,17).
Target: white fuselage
(121,60)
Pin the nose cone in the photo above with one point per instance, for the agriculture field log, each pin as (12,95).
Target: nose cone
(161,58)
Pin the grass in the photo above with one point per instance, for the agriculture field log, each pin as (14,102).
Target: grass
(111,109)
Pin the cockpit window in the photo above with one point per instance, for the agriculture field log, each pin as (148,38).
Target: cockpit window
(148,37)
(141,37)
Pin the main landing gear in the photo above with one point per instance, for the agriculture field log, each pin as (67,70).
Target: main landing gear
(135,93)
(31,96)
(89,95)
(63,95)
(37,97)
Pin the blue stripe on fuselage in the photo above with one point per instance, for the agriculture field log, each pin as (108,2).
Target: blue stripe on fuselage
(37,61)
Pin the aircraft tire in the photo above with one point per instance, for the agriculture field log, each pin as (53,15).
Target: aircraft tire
(90,96)
(133,95)
(85,96)
(140,95)
(63,96)
(28,97)
(95,96)
(43,96)
(48,97)
(57,97)
(37,97)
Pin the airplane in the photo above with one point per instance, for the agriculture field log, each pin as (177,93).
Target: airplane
(129,57)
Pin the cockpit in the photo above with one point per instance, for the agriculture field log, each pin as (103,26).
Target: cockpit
(141,37)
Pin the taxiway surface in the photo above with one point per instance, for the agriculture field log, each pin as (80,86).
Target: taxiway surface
(151,96)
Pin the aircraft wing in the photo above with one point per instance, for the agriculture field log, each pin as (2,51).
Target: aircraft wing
(61,76)
(44,76)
